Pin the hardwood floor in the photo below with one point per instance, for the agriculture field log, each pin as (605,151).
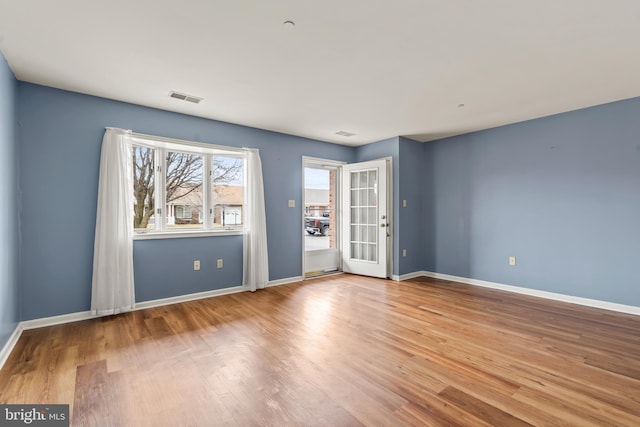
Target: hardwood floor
(339,351)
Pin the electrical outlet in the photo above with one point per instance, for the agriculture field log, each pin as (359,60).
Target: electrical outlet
(512,260)
(196,265)
(219,263)
(292,203)
(404,203)
(404,252)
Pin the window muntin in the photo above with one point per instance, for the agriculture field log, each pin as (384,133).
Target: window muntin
(203,188)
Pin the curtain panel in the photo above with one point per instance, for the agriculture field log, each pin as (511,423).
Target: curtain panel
(255,262)
(112,286)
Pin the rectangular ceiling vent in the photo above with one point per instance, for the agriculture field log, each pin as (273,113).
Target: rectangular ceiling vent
(185,97)
(344,133)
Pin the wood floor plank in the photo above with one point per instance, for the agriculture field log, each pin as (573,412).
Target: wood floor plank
(612,365)
(91,403)
(481,409)
(342,350)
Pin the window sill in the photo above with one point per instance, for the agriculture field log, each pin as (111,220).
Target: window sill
(185,234)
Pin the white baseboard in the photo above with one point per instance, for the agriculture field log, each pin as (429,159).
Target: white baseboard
(39,323)
(606,305)
(188,297)
(407,276)
(284,281)
(8,347)
(56,320)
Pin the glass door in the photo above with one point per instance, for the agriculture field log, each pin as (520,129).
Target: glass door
(366,239)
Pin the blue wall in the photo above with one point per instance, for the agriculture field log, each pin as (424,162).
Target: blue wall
(181,279)
(410,220)
(561,193)
(9,210)
(60,142)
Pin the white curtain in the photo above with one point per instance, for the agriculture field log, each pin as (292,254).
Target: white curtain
(112,288)
(255,263)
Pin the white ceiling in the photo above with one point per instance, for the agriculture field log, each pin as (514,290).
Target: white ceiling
(374,68)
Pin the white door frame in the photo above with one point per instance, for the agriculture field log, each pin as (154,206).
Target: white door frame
(330,164)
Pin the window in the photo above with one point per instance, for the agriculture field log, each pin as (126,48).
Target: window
(228,191)
(183,212)
(202,187)
(183,190)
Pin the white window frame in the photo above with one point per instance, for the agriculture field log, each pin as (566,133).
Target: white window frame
(161,145)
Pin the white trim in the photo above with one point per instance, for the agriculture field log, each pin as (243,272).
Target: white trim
(390,216)
(284,281)
(172,143)
(335,165)
(161,146)
(11,343)
(189,297)
(153,235)
(408,276)
(57,320)
(324,163)
(606,305)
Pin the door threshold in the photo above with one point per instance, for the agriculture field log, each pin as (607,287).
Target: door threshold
(320,273)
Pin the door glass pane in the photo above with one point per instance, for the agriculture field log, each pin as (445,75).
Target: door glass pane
(355,232)
(355,250)
(363,233)
(363,179)
(372,234)
(372,215)
(372,198)
(373,253)
(355,198)
(364,215)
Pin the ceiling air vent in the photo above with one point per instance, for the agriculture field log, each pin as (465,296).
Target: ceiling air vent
(343,133)
(185,97)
